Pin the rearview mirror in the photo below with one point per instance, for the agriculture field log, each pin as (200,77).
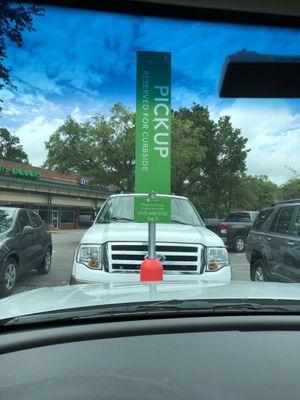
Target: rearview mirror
(248,74)
(27,229)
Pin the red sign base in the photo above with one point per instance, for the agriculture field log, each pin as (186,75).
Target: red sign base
(151,271)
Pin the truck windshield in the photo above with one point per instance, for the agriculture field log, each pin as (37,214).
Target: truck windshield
(121,209)
(238,217)
(6,217)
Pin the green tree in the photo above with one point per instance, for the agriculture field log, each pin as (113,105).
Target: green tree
(230,162)
(10,148)
(254,192)
(290,189)
(114,140)
(212,186)
(102,149)
(207,157)
(14,20)
(68,149)
(187,153)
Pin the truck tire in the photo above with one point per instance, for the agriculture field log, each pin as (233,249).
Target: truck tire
(258,271)
(8,277)
(239,244)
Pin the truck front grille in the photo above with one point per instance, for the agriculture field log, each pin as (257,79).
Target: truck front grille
(179,258)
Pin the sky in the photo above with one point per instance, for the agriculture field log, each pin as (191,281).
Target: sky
(80,63)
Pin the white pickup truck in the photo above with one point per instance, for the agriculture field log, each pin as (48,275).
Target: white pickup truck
(113,248)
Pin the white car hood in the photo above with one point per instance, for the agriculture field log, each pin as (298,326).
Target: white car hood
(66,297)
(138,232)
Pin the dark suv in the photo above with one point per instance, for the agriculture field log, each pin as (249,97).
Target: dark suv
(273,244)
(24,244)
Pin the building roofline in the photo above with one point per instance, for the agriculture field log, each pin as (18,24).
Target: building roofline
(54,185)
(37,169)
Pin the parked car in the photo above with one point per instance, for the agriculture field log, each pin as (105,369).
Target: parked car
(85,221)
(24,244)
(235,229)
(273,245)
(115,246)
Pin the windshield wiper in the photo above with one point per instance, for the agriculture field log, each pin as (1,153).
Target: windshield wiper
(213,306)
(176,221)
(157,308)
(115,219)
(121,219)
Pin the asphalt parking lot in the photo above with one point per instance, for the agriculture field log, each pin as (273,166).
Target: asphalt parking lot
(64,246)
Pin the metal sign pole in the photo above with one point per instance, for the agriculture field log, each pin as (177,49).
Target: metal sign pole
(151,235)
(151,239)
(151,250)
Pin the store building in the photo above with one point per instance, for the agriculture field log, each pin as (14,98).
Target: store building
(63,201)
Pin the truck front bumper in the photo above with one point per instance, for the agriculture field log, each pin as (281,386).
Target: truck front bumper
(83,274)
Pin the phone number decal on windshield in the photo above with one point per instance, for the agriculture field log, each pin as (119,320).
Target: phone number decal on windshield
(152,210)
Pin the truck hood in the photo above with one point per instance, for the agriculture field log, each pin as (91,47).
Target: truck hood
(67,297)
(138,232)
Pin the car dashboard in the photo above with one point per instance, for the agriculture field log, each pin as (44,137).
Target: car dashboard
(232,357)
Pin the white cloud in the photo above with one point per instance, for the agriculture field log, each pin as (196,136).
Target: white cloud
(26,106)
(184,97)
(34,133)
(11,110)
(273,133)
(272,130)
(7,94)
(260,116)
(78,115)
(274,154)
(33,136)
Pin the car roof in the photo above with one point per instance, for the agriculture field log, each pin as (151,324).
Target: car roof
(14,209)
(286,202)
(172,196)
(242,211)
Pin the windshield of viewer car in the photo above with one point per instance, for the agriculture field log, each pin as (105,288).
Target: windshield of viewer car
(67,144)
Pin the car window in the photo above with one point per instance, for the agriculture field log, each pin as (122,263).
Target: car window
(22,220)
(261,220)
(295,230)
(238,217)
(284,219)
(6,219)
(35,220)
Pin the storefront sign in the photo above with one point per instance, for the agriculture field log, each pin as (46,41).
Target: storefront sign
(20,172)
(84,181)
(153,135)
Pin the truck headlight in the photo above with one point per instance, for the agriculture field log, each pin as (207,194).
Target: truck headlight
(89,255)
(217,258)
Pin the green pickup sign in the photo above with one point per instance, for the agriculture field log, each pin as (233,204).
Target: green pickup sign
(153,135)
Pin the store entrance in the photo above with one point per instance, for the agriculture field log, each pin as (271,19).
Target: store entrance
(55,218)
